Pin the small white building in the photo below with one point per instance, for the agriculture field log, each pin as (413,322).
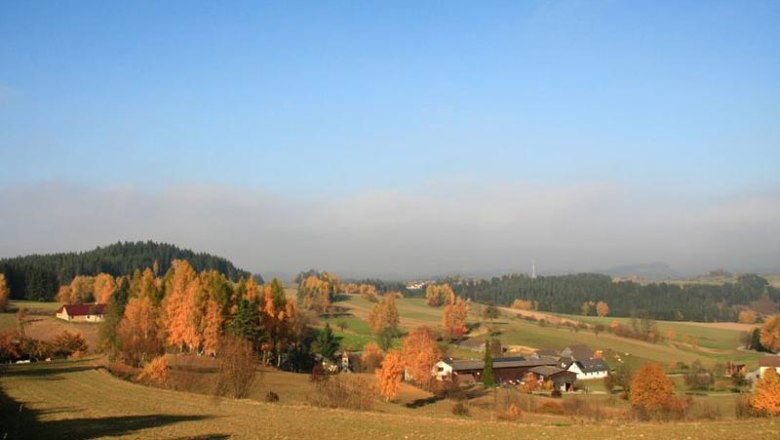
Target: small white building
(589,369)
(82,312)
(442,370)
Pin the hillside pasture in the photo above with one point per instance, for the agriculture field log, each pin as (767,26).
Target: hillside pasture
(712,344)
(81,400)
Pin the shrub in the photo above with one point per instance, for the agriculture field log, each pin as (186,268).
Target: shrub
(550,407)
(237,367)
(317,373)
(582,408)
(122,370)
(156,371)
(271,397)
(9,347)
(36,349)
(743,409)
(460,409)
(514,412)
(347,391)
(676,407)
(371,358)
(707,411)
(66,343)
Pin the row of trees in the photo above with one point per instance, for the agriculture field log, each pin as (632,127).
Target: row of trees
(38,277)
(575,294)
(190,312)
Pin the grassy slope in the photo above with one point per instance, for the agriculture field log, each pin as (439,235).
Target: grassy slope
(77,400)
(713,344)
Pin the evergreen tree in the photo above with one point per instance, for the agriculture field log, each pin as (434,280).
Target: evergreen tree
(246,323)
(115,310)
(327,343)
(488,378)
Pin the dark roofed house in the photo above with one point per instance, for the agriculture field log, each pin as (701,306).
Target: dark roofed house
(562,380)
(577,352)
(82,312)
(506,369)
(589,369)
(545,352)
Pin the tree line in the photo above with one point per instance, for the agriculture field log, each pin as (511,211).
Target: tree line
(38,277)
(187,311)
(673,302)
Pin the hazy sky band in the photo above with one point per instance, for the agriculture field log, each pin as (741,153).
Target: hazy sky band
(670,108)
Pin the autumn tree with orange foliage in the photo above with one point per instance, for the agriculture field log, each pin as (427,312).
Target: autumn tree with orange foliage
(390,374)
(747,317)
(316,292)
(420,354)
(212,329)
(522,304)
(156,372)
(453,318)
(179,309)
(770,334)
(147,285)
(383,320)
(103,287)
(438,294)
(80,291)
(651,390)
(371,358)
(4,294)
(766,396)
(139,335)
(278,316)
(602,309)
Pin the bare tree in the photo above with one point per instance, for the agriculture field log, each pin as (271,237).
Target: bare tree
(237,367)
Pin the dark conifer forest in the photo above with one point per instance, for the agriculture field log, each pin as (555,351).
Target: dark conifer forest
(37,277)
(666,301)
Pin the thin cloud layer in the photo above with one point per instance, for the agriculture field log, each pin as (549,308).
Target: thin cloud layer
(440,228)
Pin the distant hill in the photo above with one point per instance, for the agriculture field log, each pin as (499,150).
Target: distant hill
(37,277)
(649,271)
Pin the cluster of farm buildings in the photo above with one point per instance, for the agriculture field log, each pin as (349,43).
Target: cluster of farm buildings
(576,362)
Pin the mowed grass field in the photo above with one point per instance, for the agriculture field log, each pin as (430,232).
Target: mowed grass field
(80,400)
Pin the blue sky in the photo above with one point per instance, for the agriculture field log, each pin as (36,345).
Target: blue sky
(342,100)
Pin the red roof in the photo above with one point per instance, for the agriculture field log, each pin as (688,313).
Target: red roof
(83,309)
(769,361)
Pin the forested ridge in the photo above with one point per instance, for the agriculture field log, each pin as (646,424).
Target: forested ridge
(567,293)
(38,277)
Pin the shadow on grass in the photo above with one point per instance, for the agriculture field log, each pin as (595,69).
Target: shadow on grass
(205,437)
(423,402)
(87,428)
(42,370)
(18,421)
